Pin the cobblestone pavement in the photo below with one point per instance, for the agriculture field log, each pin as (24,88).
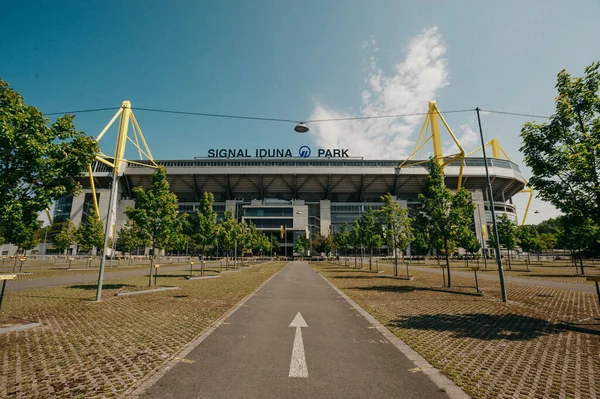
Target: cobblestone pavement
(492,350)
(86,349)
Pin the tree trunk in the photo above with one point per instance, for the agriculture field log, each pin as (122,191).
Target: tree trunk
(396,263)
(581,262)
(509,265)
(151,267)
(528,260)
(371,260)
(447,262)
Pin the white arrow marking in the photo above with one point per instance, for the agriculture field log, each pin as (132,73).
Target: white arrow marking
(298,364)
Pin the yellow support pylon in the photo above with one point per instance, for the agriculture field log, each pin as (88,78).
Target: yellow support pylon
(431,131)
(497,150)
(118,161)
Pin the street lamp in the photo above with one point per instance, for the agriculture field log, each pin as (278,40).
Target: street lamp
(493,210)
(301,128)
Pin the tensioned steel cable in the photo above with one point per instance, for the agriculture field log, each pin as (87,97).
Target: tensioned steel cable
(257,118)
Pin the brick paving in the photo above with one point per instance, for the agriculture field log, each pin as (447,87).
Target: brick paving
(94,350)
(492,350)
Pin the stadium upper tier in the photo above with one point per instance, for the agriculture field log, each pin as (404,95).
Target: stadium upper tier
(311,179)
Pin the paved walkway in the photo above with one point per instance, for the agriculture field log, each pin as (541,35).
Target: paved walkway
(93,277)
(518,280)
(295,338)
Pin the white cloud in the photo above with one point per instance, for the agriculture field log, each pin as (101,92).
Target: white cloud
(414,82)
(468,139)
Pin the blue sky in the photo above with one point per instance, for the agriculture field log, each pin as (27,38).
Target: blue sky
(297,60)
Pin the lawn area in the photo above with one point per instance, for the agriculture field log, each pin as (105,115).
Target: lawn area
(86,349)
(520,349)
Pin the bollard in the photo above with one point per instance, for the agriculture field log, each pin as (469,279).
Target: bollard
(23,259)
(191,264)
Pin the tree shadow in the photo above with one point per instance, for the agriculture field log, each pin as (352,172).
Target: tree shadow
(555,275)
(104,286)
(410,288)
(482,326)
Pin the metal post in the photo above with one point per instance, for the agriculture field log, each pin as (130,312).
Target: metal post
(482,237)
(113,195)
(285,242)
(235,255)
(493,211)
(4,286)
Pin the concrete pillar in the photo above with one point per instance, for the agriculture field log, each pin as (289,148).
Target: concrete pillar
(325,206)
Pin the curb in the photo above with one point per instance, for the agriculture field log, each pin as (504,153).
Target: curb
(440,380)
(19,328)
(154,376)
(201,277)
(147,291)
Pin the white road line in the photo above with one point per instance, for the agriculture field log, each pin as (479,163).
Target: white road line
(298,367)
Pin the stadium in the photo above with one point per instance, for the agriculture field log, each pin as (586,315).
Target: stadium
(305,190)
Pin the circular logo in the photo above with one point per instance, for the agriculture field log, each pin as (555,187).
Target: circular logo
(304,151)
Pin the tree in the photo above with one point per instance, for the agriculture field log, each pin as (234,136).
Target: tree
(469,243)
(90,234)
(341,239)
(66,237)
(529,240)
(155,214)
(39,162)
(203,226)
(371,232)
(443,215)
(398,229)
(274,244)
(300,245)
(577,234)
(228,233)
(564,154)
(357,240)
(507,234)
(548,240)
(129,238)
(323,244)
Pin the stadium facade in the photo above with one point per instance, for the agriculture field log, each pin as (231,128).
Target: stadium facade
(303,193)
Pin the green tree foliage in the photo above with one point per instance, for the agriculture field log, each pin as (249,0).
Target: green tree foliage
(507,234)
(90,234)
(39,163)
(323,244)
(300,245)
(443,215)
(25,236)
(274,243)
(578,232)
(228,233)
(398,229)
(66,237)
(564,154)
(155,214)
(529,240)
(548,240)
(203,225)
(130,238)
(469,243)
(341,239)
(371,232)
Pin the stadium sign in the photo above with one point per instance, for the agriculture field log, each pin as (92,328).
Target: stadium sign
(303,152)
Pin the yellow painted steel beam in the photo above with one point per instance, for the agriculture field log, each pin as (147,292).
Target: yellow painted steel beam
(93,186)
(109,124)
(435,133)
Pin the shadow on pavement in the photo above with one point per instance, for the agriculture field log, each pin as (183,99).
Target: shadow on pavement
(410,288)
(104,286)
(481,326)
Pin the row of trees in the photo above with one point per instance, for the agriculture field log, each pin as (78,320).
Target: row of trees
(569,232)
(441,225)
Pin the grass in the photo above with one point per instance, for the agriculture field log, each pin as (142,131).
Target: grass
(96,350)
(519,349)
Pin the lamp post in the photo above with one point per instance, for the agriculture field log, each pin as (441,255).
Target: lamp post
(493,211)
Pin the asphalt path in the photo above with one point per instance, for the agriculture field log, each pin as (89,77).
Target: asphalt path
(256,354)
(21,285)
